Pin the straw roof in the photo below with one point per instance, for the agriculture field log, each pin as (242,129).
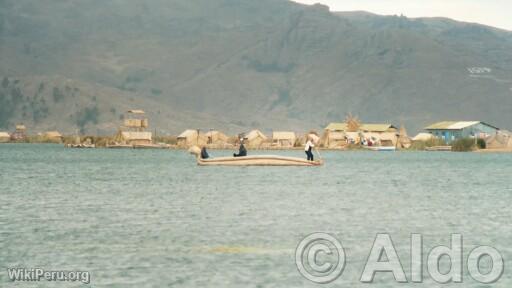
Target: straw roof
(378,128)
(4,135)
(255,134)
(188,133)
(344,127)
(336,127)
(216,137)
(52,134)
(215,133)
(283,135)
(423,137)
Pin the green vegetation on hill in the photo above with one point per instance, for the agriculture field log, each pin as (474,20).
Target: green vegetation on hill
(274,63)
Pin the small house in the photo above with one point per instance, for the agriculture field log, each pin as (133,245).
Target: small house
(54,136)
(254,139)
(449,131)
(351,135)
(283,139)
(191,137)
(136,137)
(334,139)
(4,137)
(20,133)
(386,134)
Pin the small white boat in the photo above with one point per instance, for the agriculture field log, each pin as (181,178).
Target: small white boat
(256,160)
(381,148)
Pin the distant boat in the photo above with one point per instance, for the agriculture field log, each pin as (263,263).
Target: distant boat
(256,160)
(381,148)
(152,146)
(439,148)
(119,146)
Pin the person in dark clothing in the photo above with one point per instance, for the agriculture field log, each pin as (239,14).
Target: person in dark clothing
(204,153)
(241,151)
(308,148)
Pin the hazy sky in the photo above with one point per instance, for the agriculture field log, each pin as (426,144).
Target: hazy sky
(496,13)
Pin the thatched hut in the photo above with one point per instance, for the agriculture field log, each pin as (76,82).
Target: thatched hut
(334,139)
(136,137)
(190,138)
(53,136)
(283,139)
(20,133)
(216,137)
(4,137)
(501,140)
(386,134)
(423,137)
(352,131)
(254,139)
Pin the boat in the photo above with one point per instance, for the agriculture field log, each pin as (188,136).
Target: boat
(256,160)
(439,148)
(381,148)
(152,146)
(82,145)
(119,146)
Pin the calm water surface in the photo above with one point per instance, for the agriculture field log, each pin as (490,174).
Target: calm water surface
(150,218)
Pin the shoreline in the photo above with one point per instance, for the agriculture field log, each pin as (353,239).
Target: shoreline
(344,149)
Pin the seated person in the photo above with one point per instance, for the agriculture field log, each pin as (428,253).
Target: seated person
(204,154)
(241,151)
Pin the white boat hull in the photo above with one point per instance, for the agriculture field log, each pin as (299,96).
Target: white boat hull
(381,148)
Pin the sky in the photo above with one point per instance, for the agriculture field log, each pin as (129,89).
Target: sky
(497,13)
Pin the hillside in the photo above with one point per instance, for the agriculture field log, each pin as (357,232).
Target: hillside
(234,65)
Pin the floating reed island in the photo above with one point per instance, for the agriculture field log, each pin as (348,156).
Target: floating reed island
(351,134)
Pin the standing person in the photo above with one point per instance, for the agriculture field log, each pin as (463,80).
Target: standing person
(309,146)
(241,151)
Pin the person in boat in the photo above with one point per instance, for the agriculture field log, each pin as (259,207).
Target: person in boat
(241,151)
(309,146)
(204,153)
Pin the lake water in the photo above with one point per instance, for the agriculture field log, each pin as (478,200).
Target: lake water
(153,218)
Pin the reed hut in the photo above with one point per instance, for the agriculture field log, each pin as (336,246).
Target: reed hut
(386,134)
(20,133)
(136,137)
(352,130)
(422,137)
(501,140)
(4,137)
(254,139)
(283,139)
(190,138)
(333,139)
(53,136)
(216,137)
